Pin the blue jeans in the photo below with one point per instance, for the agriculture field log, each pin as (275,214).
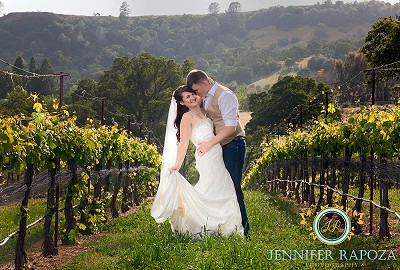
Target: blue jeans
(234,154)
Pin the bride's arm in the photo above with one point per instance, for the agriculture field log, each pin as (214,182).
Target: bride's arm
(185,132)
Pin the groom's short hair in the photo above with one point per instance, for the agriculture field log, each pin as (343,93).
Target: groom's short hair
(195,76)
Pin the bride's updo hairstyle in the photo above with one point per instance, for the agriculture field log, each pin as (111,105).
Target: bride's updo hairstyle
(181,109)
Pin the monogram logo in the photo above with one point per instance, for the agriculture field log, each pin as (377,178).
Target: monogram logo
(331,225)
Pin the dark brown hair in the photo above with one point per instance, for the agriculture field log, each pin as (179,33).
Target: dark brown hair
(181,109)
(195,76)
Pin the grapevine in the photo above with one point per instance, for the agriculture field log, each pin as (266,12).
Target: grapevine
(49,141)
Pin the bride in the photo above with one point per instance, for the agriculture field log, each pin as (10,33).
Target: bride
(209,206)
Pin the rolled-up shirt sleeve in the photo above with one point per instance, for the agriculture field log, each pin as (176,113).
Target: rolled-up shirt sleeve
(229,106)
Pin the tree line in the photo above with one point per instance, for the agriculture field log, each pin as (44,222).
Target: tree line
(84,46)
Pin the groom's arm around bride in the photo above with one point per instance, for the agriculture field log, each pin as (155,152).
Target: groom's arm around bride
(222,108)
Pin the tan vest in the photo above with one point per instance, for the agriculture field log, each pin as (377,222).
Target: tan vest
(214,113)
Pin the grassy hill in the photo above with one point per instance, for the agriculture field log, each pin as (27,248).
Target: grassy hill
(272,79)
(266,36)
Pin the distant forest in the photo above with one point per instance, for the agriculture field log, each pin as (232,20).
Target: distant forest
(228,45)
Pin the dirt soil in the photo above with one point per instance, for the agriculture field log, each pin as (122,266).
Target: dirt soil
(65,254)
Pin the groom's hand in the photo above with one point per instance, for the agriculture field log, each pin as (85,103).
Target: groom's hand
(226,131)
(203,148)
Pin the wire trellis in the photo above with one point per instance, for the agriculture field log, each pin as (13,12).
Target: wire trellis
(42,181)
(336,191)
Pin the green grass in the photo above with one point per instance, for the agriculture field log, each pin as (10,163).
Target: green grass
(9,222)
(394,204)
(394,197)
(272,79)
(138,242)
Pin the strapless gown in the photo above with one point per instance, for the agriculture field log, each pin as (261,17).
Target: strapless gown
(210,205)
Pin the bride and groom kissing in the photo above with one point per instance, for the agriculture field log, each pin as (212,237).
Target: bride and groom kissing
(205,113)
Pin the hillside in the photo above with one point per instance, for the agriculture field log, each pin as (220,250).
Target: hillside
(267,36)
(241,46)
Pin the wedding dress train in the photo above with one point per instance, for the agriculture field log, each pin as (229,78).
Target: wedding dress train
(210,205)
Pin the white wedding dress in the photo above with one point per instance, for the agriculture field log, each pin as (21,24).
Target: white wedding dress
(209,206)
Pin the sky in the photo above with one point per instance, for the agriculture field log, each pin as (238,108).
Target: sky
(142,7)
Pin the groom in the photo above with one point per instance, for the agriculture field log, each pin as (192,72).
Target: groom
(222,105)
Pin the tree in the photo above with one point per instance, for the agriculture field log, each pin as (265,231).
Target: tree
(82,104)
(240,74)
(32,65)
(18,102)
(315,47)
(46,85)
(234,7)
(124,10)
(341,48)
(142,86)
(296,53)
(19,66)
(305,72)
(83,110)
(6,84)
(321,30)
(213,8)
(243,98)
(273,108)
(382,42)
(348,74)
(46,67)
(289,63)
(33,83)
(316,62)
(211,26)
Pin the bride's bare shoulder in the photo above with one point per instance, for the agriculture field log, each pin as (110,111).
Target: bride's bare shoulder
(186,116)
(186,119)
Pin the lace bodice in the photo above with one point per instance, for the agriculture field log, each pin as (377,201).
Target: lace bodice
(203,131)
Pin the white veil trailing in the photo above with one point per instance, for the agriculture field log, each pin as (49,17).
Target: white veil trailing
(162,199)
(170,142)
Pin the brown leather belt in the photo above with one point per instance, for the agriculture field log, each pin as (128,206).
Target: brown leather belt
(238,138)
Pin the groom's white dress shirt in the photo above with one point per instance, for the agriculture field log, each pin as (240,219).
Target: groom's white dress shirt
(228,105)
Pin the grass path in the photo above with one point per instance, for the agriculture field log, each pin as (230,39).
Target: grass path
(137,242)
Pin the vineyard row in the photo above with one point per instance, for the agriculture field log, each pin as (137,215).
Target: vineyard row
(360,152)
(54,142)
